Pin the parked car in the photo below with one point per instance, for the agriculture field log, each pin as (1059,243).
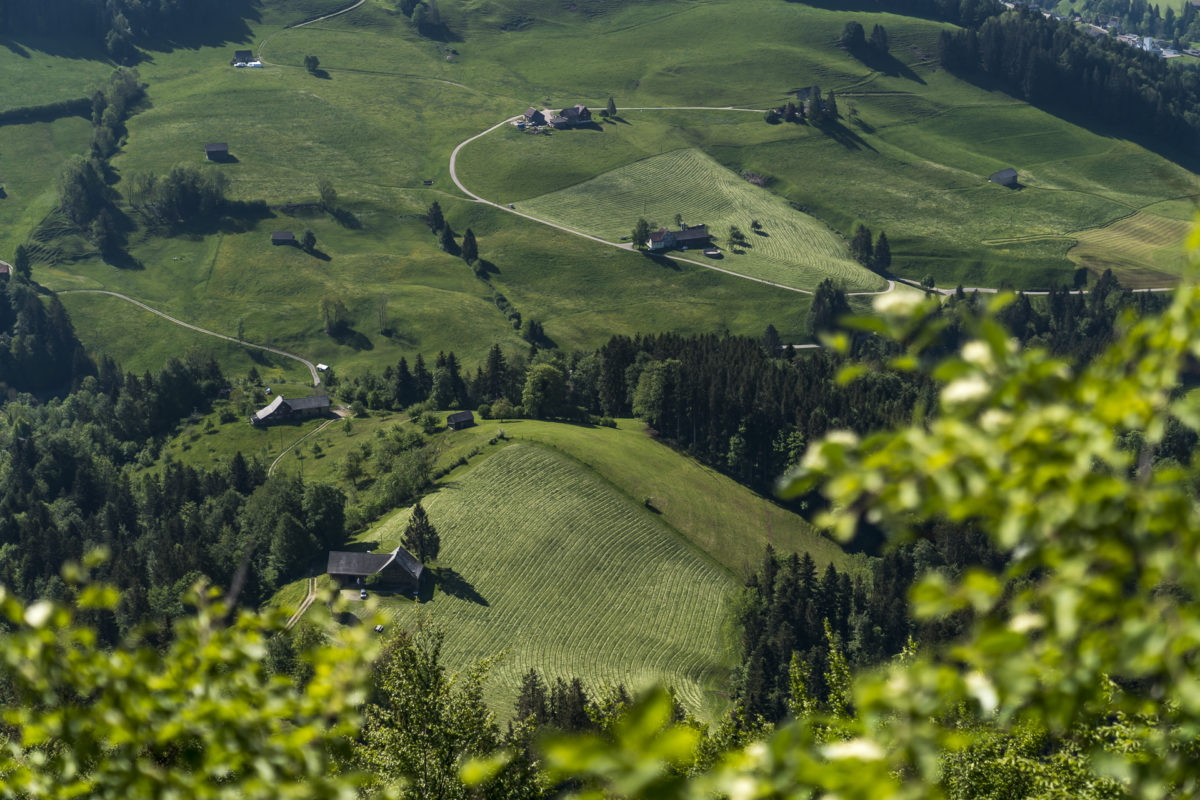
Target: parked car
(379,629)
(362,594)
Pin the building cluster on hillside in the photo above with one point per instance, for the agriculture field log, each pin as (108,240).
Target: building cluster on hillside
(533,119)
(1105,24)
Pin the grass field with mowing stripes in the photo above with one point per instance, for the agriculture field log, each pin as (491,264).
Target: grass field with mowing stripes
(1144,249)
(793,248)
(544,562)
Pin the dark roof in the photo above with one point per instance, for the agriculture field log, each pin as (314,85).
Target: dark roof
(1004,176)
(5,268)
(691,234)
(302,403)
(243,55)
(216,147)
(408,562)
(283,236)
(343,563)
(460,416)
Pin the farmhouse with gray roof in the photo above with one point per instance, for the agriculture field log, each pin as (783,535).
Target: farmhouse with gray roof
(398,568)
(282,410)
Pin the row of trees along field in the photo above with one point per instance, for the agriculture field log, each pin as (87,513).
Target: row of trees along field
(743,405)
(1054,65)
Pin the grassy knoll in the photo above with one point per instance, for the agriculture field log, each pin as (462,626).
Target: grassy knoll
(31,157)
(792,248)
(545,563)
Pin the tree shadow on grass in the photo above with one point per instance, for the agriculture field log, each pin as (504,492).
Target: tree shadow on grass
(886,63)
(348,337)
(455,585)
(844,136)
(14,48)
(661,260)
(320,73)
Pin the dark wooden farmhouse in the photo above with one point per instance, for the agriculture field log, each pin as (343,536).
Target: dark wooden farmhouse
(283,410)
(459,420)
(397,569)
(1005,177)
(242,56)
(576,114)
(687,236)
(283,237)
(217,151)
(534,117)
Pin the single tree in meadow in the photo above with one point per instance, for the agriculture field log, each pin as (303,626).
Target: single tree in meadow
(329,195)
(308,241)
(882,257)
(420,537)
(434,217)
(21,263)
(312,64)
(860,245)
(470,249)
(612,107)
(879,39)
(853,36)
(641,232)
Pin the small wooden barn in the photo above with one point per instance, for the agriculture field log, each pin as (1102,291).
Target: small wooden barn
(216,151)
(398,569)
(459,420)
(283,237)
(1005,177)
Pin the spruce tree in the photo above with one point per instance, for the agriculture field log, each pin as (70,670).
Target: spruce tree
(446,239)
(420,537)
(532,698)
(434,218)
(882,257)
(21,263)
(612,107)
(860,245)
(470,250)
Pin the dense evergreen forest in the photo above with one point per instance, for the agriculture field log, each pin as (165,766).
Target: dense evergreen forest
(1056,66)
(119,26)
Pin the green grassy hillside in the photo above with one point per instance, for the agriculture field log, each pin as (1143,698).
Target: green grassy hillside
(910,156)
(546,564)
(790,248)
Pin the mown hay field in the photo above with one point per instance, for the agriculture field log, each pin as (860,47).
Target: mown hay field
(791,248)
(1143,250)
(543,562)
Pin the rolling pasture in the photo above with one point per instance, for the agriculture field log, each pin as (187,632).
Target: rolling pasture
(543,563)
(792,248)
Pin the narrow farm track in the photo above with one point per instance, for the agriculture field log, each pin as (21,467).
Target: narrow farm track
(312,369)
(264,42)
(290,447)
(308,601)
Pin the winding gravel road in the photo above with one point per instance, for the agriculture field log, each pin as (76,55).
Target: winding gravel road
(312,369)
(622,246)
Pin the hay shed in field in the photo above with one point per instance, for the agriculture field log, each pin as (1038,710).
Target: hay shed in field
(216,151)
(283,237)
(1005,177)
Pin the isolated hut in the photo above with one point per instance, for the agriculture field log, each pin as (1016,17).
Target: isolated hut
(459,420)
(1005,177)
(397,569)
(283,237)
(217,151)
(242,57)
